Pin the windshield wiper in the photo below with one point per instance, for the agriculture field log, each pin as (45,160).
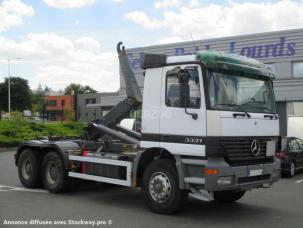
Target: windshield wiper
(239,108)
(272,116)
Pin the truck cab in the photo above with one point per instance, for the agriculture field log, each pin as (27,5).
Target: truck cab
(216,113)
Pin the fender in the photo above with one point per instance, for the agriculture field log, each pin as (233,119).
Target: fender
(147,155)
(43,146)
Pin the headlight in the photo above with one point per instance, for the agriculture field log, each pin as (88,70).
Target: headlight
(228,180)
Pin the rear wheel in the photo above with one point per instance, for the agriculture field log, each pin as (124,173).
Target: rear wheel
(29,169)
(160,187)
(228,196)
(54,176)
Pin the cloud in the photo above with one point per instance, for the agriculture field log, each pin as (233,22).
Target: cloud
(12,13)
(37,47)
(76,23)
(165,4)
(58,61)
(215,20)
(88,43)
(69,4)
(100,71)
(63,4)
(193,3)
(168,40)
(141,18)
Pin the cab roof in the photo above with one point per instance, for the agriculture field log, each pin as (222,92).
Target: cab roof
(221,61)
(217,61)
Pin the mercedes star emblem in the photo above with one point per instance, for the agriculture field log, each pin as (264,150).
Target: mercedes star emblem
(255,147)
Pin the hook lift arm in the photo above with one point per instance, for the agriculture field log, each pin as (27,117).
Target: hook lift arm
(133,101)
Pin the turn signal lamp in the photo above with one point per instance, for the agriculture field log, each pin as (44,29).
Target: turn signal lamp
(211,171)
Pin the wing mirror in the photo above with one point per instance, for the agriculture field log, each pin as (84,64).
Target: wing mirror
(183,77)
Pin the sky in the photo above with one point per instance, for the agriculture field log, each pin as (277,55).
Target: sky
(64,41)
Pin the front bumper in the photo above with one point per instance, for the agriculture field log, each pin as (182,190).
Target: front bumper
(242,177)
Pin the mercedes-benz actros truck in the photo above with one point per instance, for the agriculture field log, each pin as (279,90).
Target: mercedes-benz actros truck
(209,130)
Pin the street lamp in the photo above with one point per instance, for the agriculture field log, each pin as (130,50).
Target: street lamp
(9,85)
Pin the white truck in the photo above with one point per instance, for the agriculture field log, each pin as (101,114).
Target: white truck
(209,130)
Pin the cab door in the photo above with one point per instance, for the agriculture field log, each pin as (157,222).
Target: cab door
(180,131)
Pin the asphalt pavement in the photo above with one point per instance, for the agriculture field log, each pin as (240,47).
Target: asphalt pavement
(102,205)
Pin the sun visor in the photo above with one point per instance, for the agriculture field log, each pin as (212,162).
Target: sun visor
(153,61)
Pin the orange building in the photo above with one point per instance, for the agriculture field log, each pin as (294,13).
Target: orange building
(60,107)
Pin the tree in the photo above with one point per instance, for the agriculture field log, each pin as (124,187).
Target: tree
(20,94)
(68,115)
(38,97)
(46,89)
(78,88)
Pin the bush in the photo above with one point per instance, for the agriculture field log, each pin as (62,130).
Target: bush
(14,132)
(9,142)
(16,116)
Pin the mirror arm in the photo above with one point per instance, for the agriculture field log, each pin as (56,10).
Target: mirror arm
(193,115)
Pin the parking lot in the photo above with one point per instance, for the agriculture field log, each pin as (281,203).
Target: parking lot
(114,206)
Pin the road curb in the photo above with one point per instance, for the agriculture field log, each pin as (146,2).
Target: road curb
(8,149)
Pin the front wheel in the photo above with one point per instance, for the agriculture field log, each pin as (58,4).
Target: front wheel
(160,187)
(54,176)
(228,196)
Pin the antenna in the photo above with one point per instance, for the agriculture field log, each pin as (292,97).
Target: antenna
(191,36)
(196,43)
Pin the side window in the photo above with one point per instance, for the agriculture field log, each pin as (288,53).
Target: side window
(172,91)
(173,94)
(212,90)
(194,88)
(90,101)
(300,142)
(293,145)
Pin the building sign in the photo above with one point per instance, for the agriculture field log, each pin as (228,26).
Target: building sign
(282,48)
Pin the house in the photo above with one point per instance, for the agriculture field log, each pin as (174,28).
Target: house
(59,108)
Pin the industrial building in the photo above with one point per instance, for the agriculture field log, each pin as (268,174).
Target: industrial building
(94,105)
(280,50)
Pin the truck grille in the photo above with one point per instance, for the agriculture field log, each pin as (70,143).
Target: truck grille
(238,151)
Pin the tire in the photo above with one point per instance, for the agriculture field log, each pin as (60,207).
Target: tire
(29,169)
(54,176)
(162,173)
(228,196)
(292,169)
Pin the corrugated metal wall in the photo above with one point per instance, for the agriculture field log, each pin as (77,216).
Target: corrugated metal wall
(281,48)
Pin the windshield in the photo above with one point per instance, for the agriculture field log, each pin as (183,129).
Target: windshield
(234,93)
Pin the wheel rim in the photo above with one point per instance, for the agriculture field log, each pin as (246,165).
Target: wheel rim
(51,171)
(292,169)
(26,169)
(159,187)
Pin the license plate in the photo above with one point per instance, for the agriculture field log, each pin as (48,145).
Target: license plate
(255,172)
(270,148)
